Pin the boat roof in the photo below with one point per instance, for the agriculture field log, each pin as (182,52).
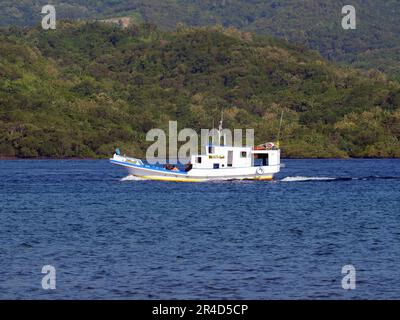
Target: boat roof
(226,146)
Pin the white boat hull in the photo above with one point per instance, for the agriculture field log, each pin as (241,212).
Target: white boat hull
(196,175)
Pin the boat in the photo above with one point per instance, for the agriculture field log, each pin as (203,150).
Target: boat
(219,162)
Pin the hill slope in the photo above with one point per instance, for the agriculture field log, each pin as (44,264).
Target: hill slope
(314,23)
(88,87)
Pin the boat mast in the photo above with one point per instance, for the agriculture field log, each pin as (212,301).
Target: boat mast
(279,132)
(220,128)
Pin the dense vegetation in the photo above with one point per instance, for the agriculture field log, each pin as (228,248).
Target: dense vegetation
(314,23)
(86,88)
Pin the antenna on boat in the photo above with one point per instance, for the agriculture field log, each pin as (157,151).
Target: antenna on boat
(210,134)
(279,132)
(221,121)
(220,128)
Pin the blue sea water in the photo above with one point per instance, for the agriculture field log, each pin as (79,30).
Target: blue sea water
(113,238)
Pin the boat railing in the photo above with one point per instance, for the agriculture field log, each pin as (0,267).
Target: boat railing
(134,161)
(124,158)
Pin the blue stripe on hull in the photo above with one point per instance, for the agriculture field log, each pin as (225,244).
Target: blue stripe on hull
(147,167)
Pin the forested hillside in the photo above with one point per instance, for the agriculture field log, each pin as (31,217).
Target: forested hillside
(86,88)
(314,23)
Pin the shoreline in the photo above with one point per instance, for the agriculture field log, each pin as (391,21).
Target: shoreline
(2,158)
(46,158)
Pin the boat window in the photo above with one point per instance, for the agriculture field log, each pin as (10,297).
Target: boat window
(211,150)
(216,165)
(265,160)
(243,154)
(261,160)
(198,159)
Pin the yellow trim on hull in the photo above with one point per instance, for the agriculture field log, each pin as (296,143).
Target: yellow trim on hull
(173,179)
(170,179)
(262,178)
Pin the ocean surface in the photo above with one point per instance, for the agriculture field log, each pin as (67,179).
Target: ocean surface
(111,237)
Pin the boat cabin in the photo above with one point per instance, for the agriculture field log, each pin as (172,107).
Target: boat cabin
(220,157)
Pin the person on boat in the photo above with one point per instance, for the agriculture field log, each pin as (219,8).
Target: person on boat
(171,167)
(188,167)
